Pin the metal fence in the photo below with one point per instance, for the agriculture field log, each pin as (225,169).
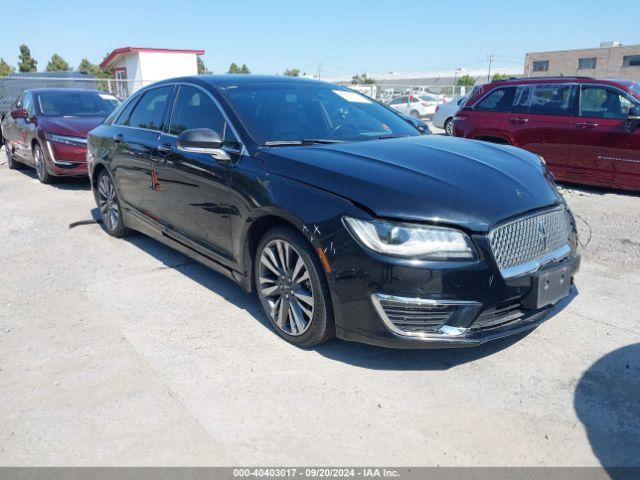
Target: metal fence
(13,86)
(387,92)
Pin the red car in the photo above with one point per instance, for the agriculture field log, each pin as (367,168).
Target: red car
(47,129)
(587,130)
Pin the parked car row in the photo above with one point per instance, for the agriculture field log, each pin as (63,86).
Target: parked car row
(586,129)
(343,217)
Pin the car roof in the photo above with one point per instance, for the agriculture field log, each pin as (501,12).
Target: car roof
(64,90)
(558,79)
(243,79)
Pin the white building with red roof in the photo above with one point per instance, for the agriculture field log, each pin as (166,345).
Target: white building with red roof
(135,67)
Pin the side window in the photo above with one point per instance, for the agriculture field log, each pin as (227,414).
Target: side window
(499,100)
(555,99)
(19,101)
(195,109)
(602,102)
(124,115)
(522,99)
(149,112)
(27,103)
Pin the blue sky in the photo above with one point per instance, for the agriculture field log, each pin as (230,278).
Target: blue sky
(347,36)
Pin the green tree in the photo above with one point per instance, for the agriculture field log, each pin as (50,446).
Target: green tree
(87,67)
(5,68)
(244,69)
(57,64)
(233,68)
(363,78)
(293,72)
(466,81)
(499,76)
(202,68)
(27,62)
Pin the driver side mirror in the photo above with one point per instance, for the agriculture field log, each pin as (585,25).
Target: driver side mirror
(420,125)
(19,113)
(202,140)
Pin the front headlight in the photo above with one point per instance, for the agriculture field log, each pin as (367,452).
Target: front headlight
(75,141)
(412,241)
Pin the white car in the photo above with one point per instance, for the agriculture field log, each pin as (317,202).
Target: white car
(443,117)
(415,105)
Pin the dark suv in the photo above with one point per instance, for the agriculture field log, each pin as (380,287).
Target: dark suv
(586,129)
(337,211)
(47,129)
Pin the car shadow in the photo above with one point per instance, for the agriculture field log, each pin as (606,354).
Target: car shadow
(61,183)
(356,354)
(607,402)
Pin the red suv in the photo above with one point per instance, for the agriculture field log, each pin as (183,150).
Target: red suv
(47,129)
(587,130)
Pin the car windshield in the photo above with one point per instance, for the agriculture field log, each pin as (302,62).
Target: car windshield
(288,111)
(428,98)
(77,104)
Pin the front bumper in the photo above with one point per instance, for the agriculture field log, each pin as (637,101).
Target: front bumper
(66,160)
(494,307)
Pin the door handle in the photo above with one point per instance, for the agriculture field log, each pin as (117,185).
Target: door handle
(586,125)
(117,138)
(518,120)
(164,148)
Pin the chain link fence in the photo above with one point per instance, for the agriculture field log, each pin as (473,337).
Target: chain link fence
(13,86)
(387,92)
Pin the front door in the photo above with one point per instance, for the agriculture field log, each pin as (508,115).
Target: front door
(193,190)
(605,151)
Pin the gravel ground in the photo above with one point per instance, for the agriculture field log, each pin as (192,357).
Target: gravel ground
(124,352)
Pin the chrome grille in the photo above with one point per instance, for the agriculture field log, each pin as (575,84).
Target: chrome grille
(415,316)
(526,241)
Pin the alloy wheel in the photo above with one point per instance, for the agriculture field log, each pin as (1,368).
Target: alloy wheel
(108,203)
(448,128)
(41,168)
(285,287)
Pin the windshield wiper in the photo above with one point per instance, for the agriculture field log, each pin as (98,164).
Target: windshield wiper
(384,137)
(304,141)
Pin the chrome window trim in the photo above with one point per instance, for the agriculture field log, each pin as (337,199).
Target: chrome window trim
(445,332)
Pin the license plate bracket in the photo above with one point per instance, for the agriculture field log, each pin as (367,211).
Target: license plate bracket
(548,287)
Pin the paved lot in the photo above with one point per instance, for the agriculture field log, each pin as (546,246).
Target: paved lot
(125,352)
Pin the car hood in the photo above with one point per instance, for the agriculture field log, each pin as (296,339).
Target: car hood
(426,178)
(72,126)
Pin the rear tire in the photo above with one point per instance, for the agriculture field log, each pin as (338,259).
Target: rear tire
(292,288)
(41,165)
(109,205)
(448,127)
(12,163)
(415,113)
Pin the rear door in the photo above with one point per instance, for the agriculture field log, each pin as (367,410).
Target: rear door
(605,151)
(23,129)
(135,136)
(542,121)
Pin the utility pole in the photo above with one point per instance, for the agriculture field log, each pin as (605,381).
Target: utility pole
(320,65)
(490,59)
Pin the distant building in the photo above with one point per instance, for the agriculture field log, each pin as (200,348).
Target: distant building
(135,67)
(611,60)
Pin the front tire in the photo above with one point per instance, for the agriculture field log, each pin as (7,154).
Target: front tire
(415,114)
(109,205)
(12,163)
(292,288)
(41,165)
(448,127)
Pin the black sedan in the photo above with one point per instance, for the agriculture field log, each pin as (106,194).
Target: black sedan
(342,216)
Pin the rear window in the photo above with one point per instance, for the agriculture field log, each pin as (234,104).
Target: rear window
(554,99)
(149,111)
